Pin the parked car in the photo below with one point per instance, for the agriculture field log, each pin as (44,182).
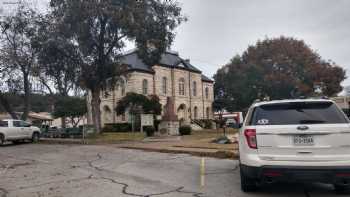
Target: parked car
(18,130)
(306,140)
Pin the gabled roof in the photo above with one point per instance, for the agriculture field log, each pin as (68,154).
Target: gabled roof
(169,59)
(207,79)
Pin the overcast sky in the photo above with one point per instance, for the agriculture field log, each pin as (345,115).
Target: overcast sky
(219,29)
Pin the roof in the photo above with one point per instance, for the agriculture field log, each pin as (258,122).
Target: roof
(290,101)
(207,79)
(38,116)
(169,59)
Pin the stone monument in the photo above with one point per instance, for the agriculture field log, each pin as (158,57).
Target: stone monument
(169,122)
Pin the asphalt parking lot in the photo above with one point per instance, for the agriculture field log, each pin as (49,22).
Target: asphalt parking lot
(37,170)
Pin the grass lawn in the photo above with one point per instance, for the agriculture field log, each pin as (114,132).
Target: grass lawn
(111,138)
(198,139)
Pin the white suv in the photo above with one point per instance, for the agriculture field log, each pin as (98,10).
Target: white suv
(306,140)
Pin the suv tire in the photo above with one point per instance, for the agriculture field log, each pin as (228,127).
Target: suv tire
(248,184)
(341,189)
(2,140)
(35,137)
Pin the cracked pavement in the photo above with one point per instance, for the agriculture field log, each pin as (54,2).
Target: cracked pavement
(38,170)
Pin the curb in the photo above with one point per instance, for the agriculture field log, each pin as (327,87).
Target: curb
(217,154)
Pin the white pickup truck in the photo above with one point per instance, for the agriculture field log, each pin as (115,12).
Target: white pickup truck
(18,130)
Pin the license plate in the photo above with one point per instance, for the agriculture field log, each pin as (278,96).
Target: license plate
(303,140)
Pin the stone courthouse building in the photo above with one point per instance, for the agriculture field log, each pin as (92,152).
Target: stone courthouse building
(174,77)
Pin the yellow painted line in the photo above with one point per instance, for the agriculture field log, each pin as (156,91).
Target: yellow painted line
(202,172)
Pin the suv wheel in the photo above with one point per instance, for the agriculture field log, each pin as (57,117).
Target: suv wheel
(248,184)
(35,137)
(341,189)
(2,140)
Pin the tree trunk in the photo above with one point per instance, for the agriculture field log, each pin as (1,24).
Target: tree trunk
(63,122)
(6,105)
(26,96)
(95,109)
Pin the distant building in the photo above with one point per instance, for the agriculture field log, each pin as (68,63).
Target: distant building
(347,90)
(342,101)
(33,117)
(173,77)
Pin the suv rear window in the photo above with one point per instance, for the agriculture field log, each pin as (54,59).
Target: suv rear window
(3,123)
(298,113)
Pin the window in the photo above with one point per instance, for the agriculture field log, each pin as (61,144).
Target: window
(194,88)
(3,123)
(208,113)
(182,86)
(164,85)
(16,123)
(195,112)
(122,84)
(298,113)
(110,85)
(24,124)
(207,93)
(145,86)
(123,117)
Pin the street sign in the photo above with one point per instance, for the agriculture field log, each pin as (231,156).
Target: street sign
(147,119)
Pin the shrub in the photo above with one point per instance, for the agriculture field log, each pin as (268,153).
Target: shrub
(149,130)
(207,123)
(117,127)
(185,130)
(163,131)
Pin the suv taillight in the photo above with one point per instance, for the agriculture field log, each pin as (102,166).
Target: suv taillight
(250,135)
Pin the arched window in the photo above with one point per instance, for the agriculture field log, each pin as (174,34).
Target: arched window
(107,115)
(207,93)
(123,117)
(208,112)
(122,87)
(145,87)
(182,86)
(194,88)
(164,85)
(195,112)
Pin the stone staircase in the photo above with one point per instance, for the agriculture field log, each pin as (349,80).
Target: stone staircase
(196,125)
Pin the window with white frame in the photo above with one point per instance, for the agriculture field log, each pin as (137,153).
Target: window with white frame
(206,92)
(195,112)
(145,87)
(164,85)
(122,87)
(182,86)
(194,88)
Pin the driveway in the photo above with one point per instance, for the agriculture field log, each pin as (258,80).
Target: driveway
(101,171)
